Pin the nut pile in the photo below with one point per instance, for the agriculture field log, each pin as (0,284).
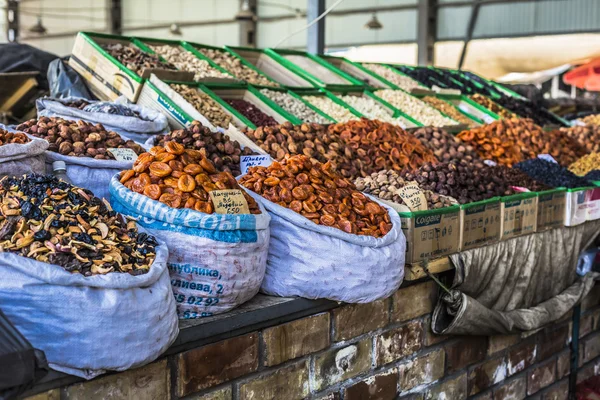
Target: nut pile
(370,108)
(294,106)
(386,185)
(446,147)
(593,119)
(460,180)
(79,139)
(414,107)
(449,110)
(516,177)
(587,136)
(551,173)
(235,67)
(223,152)
(186,61)
(253,113)
(135,59)
(331,108)
(179,178)
(317,192)
(80,104)
(51,221)
(402,81)
(585,164)
(492,106)
(206,106)
(7,137)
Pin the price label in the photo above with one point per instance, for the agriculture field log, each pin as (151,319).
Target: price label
(254,161)
(229,201)
(413,197)
(490,163)
(123,154)
(520,189)
(547,157)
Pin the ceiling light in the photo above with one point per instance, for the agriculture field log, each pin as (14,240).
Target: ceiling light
(175,30)
(373,23)
(38,28)
(245,14)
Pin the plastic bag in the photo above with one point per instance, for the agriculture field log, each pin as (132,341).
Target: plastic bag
(20,159)
(27,365)
(321,262)
(216,262)
(90,325)
(139,129)
(65,82)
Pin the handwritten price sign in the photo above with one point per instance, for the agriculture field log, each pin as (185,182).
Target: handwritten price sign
(413,197)
(254,161)
(123,154)
(229,201)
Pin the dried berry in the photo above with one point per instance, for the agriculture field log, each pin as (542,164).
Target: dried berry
(551,173)
(253,113)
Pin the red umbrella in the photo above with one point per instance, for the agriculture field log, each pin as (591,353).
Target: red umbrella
(586,76)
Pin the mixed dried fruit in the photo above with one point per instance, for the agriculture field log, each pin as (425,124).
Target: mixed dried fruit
(77,138)
(585,164)
(446,147)
(235,67)
(587,136)
(186,61)
(317,192)
(135,59)
(180,178)
(492,106)
(7,137)
(551,174)
(449,110)
(49,220)
(253,113)
(295,106)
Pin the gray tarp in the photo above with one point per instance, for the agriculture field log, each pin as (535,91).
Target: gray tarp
(516,285)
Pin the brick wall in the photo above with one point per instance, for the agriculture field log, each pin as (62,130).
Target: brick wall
(382,350)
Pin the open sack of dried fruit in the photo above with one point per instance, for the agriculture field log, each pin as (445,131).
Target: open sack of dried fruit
(79,281)
(92,154)
(20,154)
(328,240)
(217,235)
(132,121)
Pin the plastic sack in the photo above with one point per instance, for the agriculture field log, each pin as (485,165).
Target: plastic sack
(321,262)
(20,159)
(90,325)
(27,365)
(138,129)
(64,81)
(216,262)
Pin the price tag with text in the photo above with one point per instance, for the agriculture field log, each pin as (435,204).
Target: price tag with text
(254,161)
(229,201)
(413,197)
(123,154)
(490,163)
(547,157)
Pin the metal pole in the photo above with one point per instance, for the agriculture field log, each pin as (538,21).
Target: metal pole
(248,27)
(315,41)
(470,29)
(116,17)
(12,21)
(426,31)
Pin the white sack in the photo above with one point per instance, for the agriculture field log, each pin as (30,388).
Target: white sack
(20,159)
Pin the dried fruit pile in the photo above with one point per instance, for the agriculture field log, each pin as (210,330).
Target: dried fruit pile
(528,109)
(135,59)
(216,146)
(80,104)
(593,119)
(587,136)
(186,61)
(386,185)
(79,139)
(551,173)
(253,113)
(179,178)
(51,221)
(320,194)
(516,177)
(331,108)
(449,110)
(586,164)
(446,147)
(234,66)
(7,137)
(492,106)
(294,106)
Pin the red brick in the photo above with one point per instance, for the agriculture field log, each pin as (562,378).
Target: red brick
(541,376)
(296,339)
(421,370)
(592,299)
(591,347)
(486,375)
(558,391)
(500,342)
(586,324)
(465,351)
(563,364)
(289,383)
(516,389)
(343,363)
(383,386)
(356,319)
(430,337)
(449,389)
(225,393)
(551,342)
(413,301)
(587,372)
(216,363)
(521,357)
(399,342)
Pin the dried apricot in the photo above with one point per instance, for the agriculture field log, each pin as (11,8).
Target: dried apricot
(272,181)
(186,183)
(204,207)
(126,175)
(153,191)
(160,169)
(174,148)
(172,200)
(193,169)
(142,163)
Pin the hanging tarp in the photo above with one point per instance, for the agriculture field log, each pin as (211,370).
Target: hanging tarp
(516,285)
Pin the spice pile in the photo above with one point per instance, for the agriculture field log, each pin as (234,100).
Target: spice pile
(402,81)
(317,192)
(206,106)
(51,221)
(449,110)
(585,164)
(179,178)
(414,107)
(386,185)
(446,147)
(235,67)
(7,137)
(253,113)
(492,106)
(370,108)
(223,152)
(79,139)
(331,108)
(186,61)
(294,106)
(551,174)
(135,59)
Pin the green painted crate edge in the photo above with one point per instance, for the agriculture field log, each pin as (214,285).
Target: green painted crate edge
(309,105)
(438,211)
(292,118)
(366,71)
(480,203)
(397,111)
(167,99)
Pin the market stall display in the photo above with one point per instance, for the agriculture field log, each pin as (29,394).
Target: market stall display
(445,146)
(398,79)
(492,106)
(20,154)
(331,108)
(186,61)
(449,110)
(296,106)
(371,109)
(135,59)
(414,107)
(253,113)
(528,109)
(517,179)
(593,119)
(586,164)
(551,173)
(587,136)
(204,104)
